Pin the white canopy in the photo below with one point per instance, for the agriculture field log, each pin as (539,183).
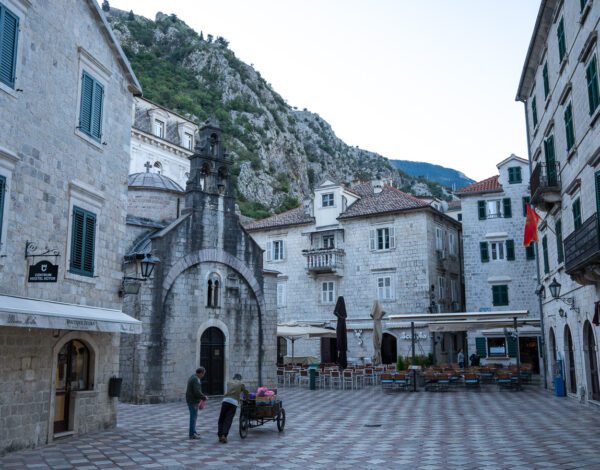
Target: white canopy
(295,331)
(33,313)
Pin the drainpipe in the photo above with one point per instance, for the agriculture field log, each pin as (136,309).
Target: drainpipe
(537,259)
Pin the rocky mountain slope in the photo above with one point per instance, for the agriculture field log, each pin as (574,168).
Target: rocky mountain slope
(280,152)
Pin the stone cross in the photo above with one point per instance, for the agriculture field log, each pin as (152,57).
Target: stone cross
(148,165)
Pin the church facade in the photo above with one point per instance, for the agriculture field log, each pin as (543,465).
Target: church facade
(209,302)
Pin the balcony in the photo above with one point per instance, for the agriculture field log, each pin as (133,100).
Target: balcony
(324,260)
(582,253)
(545,185)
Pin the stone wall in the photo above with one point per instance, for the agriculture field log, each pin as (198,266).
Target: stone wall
(157,205)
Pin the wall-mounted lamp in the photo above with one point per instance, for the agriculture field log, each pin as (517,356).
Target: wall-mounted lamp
(541,292)
(555,292)
(562,313)
(147,262)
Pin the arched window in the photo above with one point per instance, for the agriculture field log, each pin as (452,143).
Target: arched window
(214,145)
(158,167)
(213,291)
(204,172)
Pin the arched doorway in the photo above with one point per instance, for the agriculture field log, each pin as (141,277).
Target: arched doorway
(570,358)
(389,349)
(553,371)
(72,374)
(590,351)
(212,358)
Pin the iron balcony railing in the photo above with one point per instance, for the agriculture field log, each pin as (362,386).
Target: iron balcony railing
(544,178)
(582,247)
(324,260)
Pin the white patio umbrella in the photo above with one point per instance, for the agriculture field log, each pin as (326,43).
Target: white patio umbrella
(377,314)
(294,331)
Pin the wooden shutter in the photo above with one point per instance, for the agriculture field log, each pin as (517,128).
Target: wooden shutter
(481,346)
(89,243)
(597,181)
(2,199)
(507,207)
(481,209)
(577,213)
(511,346)
(545,254)
(97,102)
(392,238)
(560,253)
(534,112)
(283,248)
(269,249)
(510,250)
(530,252)
(526,201)
(9,32)
(86,105)
(77,242)
(372,239)
(483,249)
(592,85)
(495,295)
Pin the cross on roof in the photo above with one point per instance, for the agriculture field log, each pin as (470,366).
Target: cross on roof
(148,165)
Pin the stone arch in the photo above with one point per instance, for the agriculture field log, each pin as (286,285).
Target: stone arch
(590,348)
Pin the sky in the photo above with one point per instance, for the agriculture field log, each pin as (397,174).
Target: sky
(432,81)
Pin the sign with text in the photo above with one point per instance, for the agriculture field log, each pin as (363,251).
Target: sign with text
(43,271)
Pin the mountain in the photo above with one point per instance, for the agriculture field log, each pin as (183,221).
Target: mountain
(280,152)
(447,177)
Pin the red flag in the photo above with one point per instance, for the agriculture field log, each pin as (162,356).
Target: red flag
(531,223)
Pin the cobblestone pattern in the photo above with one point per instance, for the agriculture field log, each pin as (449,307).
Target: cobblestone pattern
(328,429)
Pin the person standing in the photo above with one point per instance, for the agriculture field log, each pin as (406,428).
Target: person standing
(460,358)
(231,401)
(475,359)
(193,395)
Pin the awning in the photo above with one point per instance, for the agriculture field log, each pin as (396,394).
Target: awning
(466,325)
(33,313)
(295,331)
(466,321)
(438,317)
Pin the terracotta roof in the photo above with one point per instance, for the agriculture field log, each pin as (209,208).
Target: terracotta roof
(292,217)
(388,200)
(487,185)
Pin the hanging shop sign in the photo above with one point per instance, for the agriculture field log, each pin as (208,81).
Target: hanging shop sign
(43,271)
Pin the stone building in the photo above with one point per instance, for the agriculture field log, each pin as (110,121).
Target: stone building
(500,274)
(210,302)
(162,139)
(560,89)
(66,95)
(367,242)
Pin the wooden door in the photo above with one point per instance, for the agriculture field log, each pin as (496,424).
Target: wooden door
(212,358)
(571,359)
(590,344)
(329,350)
(61,399)
(389,349)
(528,348)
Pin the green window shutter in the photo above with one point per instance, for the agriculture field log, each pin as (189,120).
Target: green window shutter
(86,105)
(9,35)
(545,254)
(483,250)
(500,295)
(597,180)
(577,213)
(560,33)
(569,129)
(560,254)
(510,250)
(518,177)
(534,112)
(530,252)
(83,234)
(481,210)
(481,346)
(2,199)
(98,100)
(591,75)
(514,175)
(511,347)
(507,207)
(526,200)
(510,175)
(582,3)
(546,80)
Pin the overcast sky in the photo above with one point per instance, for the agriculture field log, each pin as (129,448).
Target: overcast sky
(431,81)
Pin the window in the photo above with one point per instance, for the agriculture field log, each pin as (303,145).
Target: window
(383,238)
(384,288)
(569,129)
(454,290)
(545,254)
(497,249)
(510,250)
(90,111)
(328,241)
(188,141)
(582,3)
(526,200)
(441,288)
(439,239)
(546,81)
(2,199)
(514,175)
(577,213)
(483,249)
(275,250)
(159,128)
(459,217)
(9,35)
(591,75)
(496,347)
(560,34)
(281,295)
(560,255)
(530,252)
(327,200)
(213,290)
(494,209)
(328,292)
(83,238)
(534,114)
(500,295)
(452,243)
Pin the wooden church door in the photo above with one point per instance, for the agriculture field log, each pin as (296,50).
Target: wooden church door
(212,358)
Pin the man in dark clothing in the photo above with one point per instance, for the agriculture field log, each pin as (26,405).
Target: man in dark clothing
(193,395)
(474,359)
(231,401)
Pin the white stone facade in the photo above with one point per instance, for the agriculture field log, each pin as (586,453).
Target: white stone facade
(562,80)
(49,165)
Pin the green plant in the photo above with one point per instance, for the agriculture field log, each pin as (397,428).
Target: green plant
(400,365)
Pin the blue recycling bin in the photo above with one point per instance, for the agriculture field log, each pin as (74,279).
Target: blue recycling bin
(559,387)
(312,376)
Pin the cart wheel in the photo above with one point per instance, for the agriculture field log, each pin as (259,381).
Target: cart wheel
(244,425)
(281,420)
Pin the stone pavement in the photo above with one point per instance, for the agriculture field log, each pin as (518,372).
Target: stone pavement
(462,429)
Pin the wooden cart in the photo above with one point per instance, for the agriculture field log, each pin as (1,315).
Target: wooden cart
(253,415)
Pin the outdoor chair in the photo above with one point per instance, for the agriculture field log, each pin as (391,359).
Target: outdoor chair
(280,377)
(471,380)
(401,381)
(486,375)
(359,378)
(443,382)
(369,378)
(302,378)
(504,379)
(431,382)
(387,382)
(335,379)
(348,379)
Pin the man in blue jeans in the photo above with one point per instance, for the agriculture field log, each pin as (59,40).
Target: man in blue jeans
(193,395)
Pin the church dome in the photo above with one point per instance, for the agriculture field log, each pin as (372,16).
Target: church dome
(149,180)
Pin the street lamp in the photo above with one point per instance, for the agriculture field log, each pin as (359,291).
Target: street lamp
(541,292)
(555,292)
(147,265)
(147,262)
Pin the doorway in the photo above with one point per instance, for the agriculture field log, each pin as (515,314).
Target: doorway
(72,374)
(590,350)
(570,356)
(389,349)
(281,349)
(528,347)
(212,358)
(329,353)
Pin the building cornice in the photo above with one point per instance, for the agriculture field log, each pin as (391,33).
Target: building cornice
(160,143)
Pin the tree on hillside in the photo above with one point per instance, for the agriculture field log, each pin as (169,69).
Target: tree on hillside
(105,5)
(131,16)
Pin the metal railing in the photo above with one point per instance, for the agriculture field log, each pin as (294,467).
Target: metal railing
(545,177)
(324,260)
(583,245)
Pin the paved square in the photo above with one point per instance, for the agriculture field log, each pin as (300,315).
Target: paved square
(462,429)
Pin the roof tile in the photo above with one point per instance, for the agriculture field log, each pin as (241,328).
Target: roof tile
(292,217)
(489,184)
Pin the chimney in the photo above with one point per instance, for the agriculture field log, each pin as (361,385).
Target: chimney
(307,205)
(377,185)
